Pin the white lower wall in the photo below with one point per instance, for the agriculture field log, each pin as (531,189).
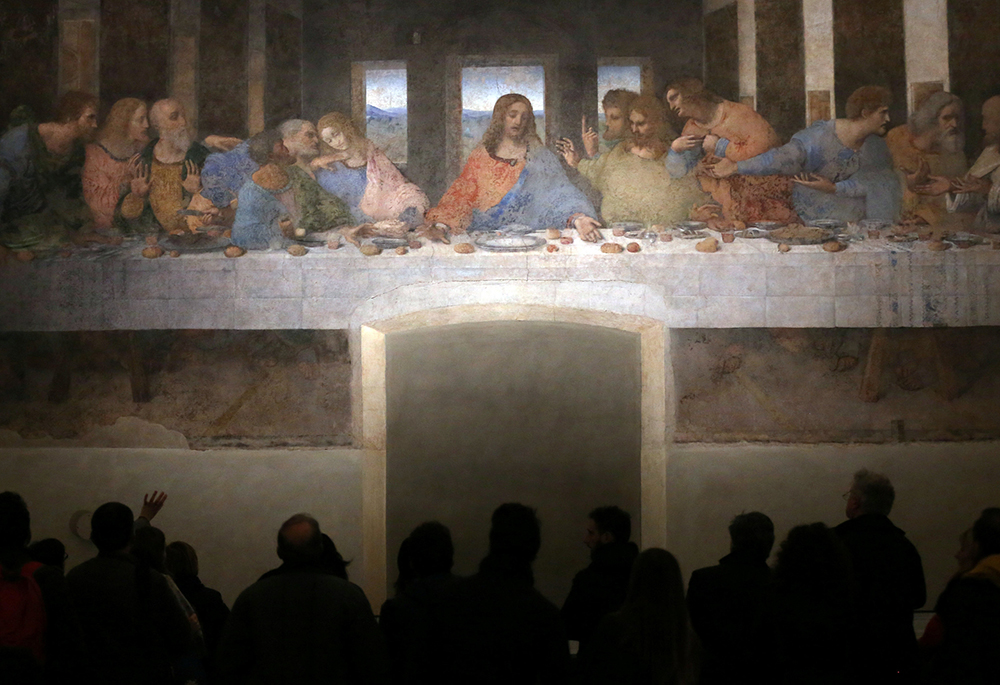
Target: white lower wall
(227,504)
(940,490)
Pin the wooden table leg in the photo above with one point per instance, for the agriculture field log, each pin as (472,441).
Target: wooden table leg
(877,351)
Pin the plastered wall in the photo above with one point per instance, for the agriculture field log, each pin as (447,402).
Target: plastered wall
(227,504)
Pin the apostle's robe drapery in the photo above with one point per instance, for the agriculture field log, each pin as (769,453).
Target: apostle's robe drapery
(634,188)
(376,191)
(743,134)
(491,193)
(105,180)
(867,185)
(907,158)
(259,212)
(40,193)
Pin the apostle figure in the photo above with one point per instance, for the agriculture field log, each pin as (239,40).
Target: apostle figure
(320,210)
(929,152)
(981,187)
(169,176)
(266,212)
(356,171)
(631,178)
(842,167)
(721,129)
(512,178)
(111,159)
(40,165)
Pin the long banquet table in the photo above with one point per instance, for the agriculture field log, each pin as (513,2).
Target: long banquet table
(747,283)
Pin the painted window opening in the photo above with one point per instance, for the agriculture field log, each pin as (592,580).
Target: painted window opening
(385,109)
(612,77)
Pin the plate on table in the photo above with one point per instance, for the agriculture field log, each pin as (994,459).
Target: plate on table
(796,234)
(830,224)
(501,242)
(767,225)
(754,232)
(965,240)
(901,237)
(389,243)
(628,227)
(195,242)
(516,229)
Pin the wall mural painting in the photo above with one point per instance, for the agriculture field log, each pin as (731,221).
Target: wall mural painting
(209,388)
(842,385)
(254,149)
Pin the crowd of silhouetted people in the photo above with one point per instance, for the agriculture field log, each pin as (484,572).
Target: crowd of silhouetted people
(836,606)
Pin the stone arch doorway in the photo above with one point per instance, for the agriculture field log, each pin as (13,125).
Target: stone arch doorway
(414,308)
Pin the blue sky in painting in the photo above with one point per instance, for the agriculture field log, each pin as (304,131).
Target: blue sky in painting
(386,88)
(611,77)
(481,86)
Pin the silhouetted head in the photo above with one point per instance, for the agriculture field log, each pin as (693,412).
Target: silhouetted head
(300,540)
(15,521)
(331,558)
(515,533)
(49,551)
(182,559)
(870,493)
(753,534)
(610,524)
(431,550)
(986,533)
(149,546)
(813,559)
(111,527)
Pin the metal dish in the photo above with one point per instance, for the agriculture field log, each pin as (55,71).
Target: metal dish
(901,237)
(831,224)
(516,229)
(693,235)
(691,225)
(767,225)
(965,240)
(754,232)
(388,243)
(500,242)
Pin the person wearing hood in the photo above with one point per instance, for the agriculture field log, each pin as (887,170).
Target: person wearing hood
(889,582)
(969,612)
(732,606)
(600,588)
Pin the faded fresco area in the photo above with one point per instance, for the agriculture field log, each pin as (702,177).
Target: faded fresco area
(821,385)
(215,388)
